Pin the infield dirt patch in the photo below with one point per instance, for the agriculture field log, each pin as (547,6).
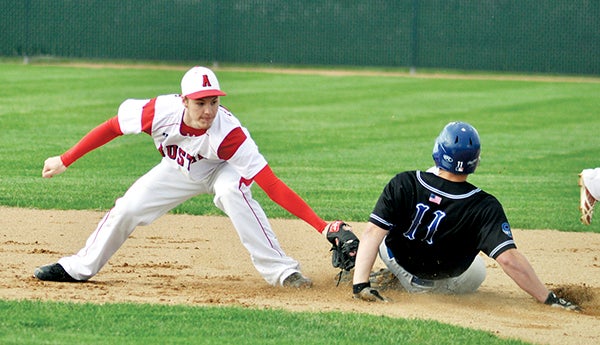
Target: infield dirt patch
(199,260)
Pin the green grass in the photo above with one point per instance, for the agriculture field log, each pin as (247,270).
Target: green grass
(336,140)
(34,322)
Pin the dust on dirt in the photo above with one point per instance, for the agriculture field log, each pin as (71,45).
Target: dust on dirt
(199,260)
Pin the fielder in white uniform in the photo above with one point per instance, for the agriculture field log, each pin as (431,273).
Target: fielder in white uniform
(204,150)
(589,182)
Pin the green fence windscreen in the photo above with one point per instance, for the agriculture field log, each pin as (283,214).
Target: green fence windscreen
(543,36)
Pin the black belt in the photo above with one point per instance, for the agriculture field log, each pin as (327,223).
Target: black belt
(422,282)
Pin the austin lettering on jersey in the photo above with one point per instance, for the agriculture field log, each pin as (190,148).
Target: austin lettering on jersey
(177,154)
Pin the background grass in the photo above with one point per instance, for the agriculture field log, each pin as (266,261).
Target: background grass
(336,140)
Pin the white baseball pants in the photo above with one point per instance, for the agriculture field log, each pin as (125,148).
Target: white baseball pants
(591,180)
(162,189)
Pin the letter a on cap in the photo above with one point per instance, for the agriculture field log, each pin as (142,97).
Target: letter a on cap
(205,81)
(200,82)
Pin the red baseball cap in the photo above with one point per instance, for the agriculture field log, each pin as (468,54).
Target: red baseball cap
(200,82)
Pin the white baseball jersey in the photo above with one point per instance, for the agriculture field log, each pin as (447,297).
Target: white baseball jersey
(195,155)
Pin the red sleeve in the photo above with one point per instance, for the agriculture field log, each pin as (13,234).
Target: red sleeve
(94,139)
(283,195)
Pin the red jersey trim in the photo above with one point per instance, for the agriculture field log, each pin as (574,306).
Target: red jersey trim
(187,130)
(231,143)
(148,116)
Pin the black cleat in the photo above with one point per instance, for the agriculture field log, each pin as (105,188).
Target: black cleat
(53,272)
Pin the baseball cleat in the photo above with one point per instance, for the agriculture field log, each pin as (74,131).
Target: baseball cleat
(297,280)
(384,279)
(53,272)
(586,203)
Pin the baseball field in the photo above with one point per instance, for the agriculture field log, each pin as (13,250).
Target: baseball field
(336,138)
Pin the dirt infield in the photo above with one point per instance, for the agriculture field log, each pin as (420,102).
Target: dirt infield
(193,260)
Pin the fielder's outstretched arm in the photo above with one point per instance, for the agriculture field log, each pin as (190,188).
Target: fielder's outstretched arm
(97,137)
(285,197)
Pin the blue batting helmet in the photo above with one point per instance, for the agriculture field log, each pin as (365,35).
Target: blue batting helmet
(457,148)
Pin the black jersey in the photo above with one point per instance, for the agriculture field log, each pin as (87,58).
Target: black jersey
(437,227)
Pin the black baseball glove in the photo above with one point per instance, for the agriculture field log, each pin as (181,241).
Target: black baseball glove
(344,245)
